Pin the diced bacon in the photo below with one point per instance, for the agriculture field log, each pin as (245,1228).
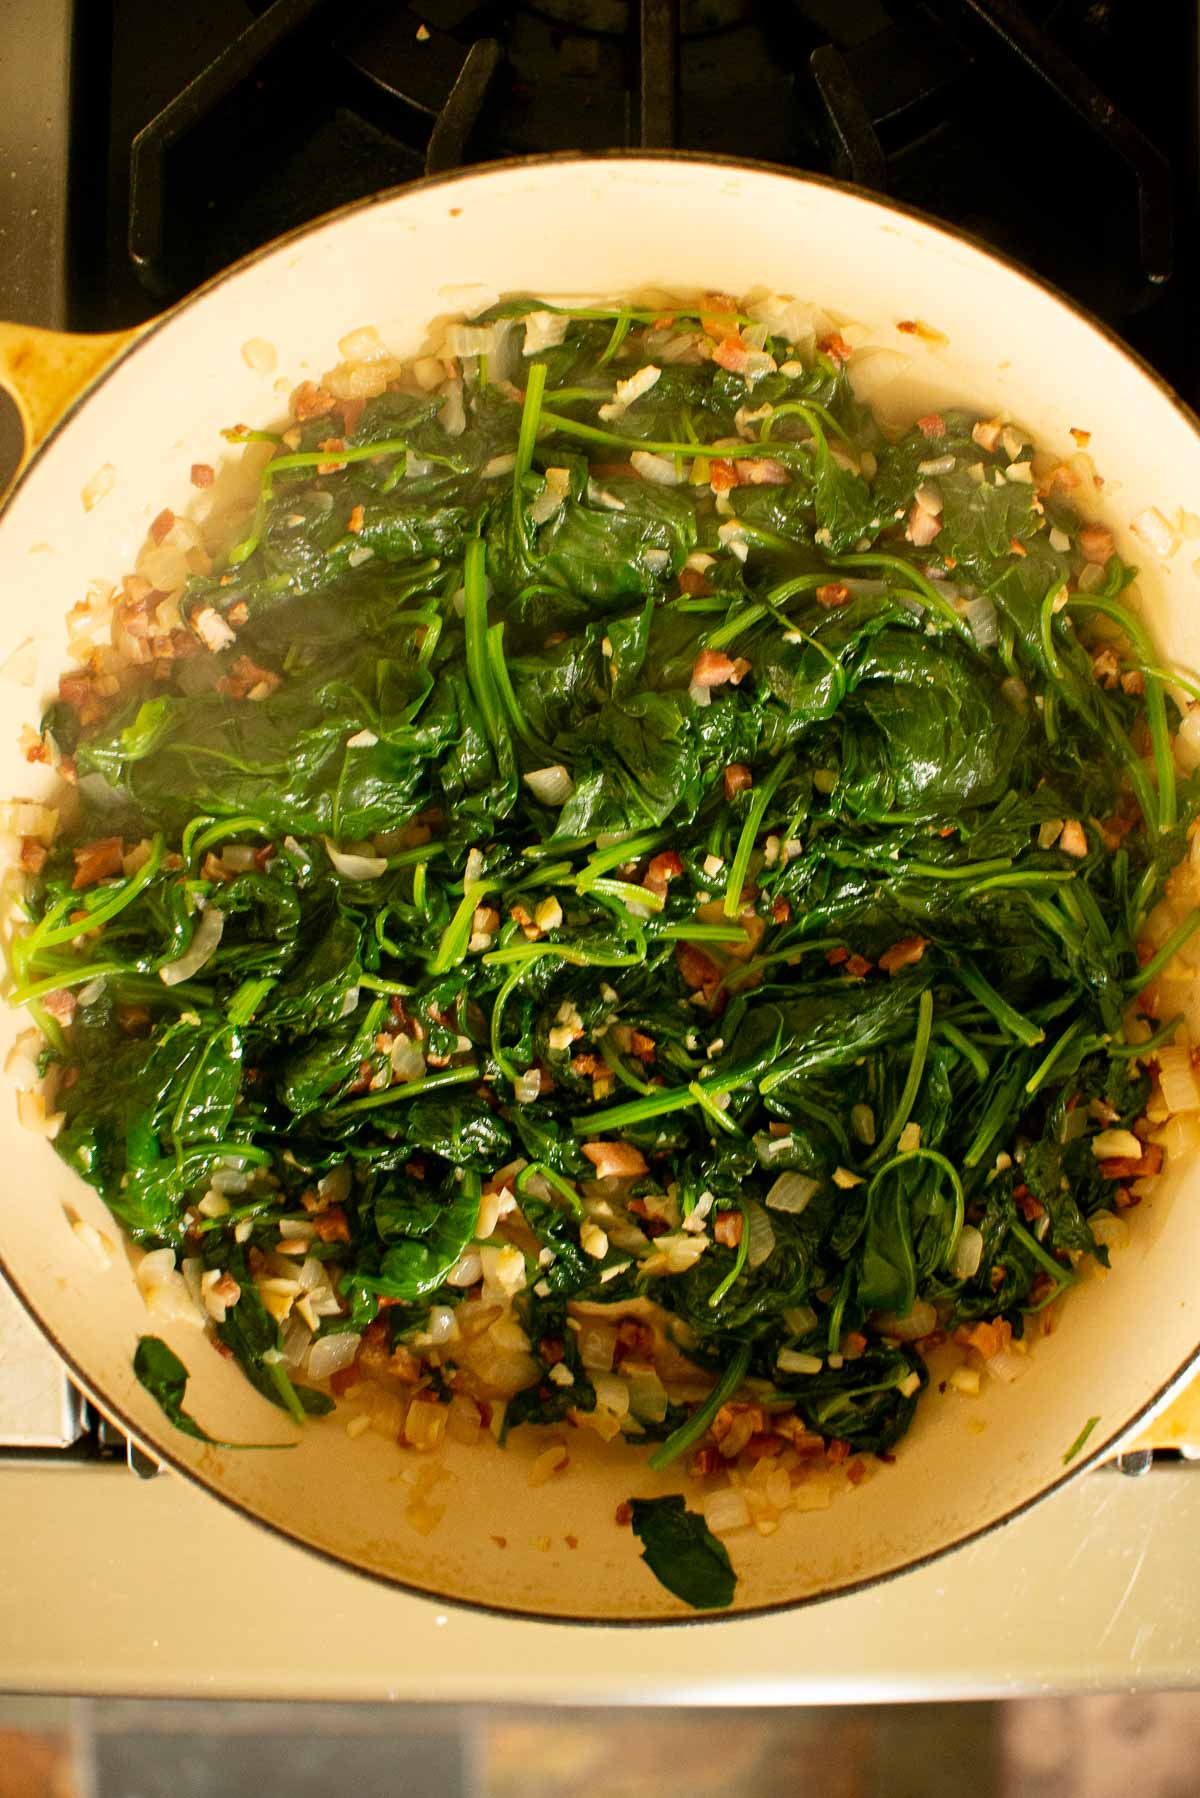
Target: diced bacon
(922,526)
(96,861)
(311,401)
(641,1046)
(781,911)
(693,583)
(737,778)
(697,970)
(728,1228)
(835,957)
(836,348)
(662,870)
(853,1344)
(248,679)
(712,668)
(33,855)
(551,1350)
(332,1225)
(615,1160)
(163,525)
(61,1005)
(1096,541)
(731,353)
(1017,547)
(705,1461)
(833,593)
(1106,666)
(634,1338)
(761,471)
(624,1513)
(858,967)
(202,474)
(718,315)
(904,954)
(355,521)
(932,425)
(722,475)
(1029,1207)
(351,412)
(988,1339)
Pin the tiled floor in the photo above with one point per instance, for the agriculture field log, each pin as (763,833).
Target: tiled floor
(1052,1748)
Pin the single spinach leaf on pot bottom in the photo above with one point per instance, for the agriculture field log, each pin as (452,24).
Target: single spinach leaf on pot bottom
(682,1553)
(164,1376)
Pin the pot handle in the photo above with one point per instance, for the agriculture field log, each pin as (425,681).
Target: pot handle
(1178,1426)
(45,371)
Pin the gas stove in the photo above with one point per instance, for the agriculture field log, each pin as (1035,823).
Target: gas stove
(141,154)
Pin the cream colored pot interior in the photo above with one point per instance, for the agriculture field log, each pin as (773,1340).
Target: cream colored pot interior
(591,228)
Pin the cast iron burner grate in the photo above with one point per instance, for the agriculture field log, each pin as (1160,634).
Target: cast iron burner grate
(1056,130)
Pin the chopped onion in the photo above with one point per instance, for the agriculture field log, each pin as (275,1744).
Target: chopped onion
(792,1192)
(544,331)
(1110,1231)
(796,1361)
(660,470)
(799,1319)
(1116,1144)
(980,615)
(726,1510)
(920,1321)
(442,1326)
(334,1187)
(699,694)
(761,1243)
(330,1354)
(1177,1078)
(464,1420)
(497,466)
(553,786)
(452,417)
(466,1270)
(597,1347)
(1155,531)
(647,1394)
(612,1393)
(1008,1366)
(202,947)
(296,1340)
(527,1087)
(968,1252)
(408,1063)
(355,867)
(470,340)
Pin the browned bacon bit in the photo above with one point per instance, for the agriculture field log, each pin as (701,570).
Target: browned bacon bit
(737,778)
(763,1446)
(731,353)
(202,474)
(1096,542)
(719,314)
(618,1160)
(33,855)
(1029,1207)
(761,471)
(1082,438)
(162,525)
(832,593)
(404,1365)
(1133,682)
(585,1065)
(61,1005)
(728,1228)
(922,526)
(351,412)
(1017,547)
(856,1471)
(853,1344)
(355,521)
(722,475)
(551,1350)
(712,668)
(1124,1167)
(247,679)
(332,1225)
(624,1513)
(311,401)
(858,967)
(133,1018)
(213,868)
(705,1461)
(697,970)
(652,1226)
(904,954)
(835,957)
(932,425)
(634,1338)
(641,1046)
(662,870)
(836,348)
(1106,666)
(332,447)
(96,861)
(837,1451)
(693,583)
(781,911)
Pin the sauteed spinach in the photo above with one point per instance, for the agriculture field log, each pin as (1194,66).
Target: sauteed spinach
(636,773)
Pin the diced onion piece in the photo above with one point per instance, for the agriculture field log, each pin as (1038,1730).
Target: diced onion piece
(424,1424)
(660,470)
(1116,1145)
(1008,1366)
(968,1252)
(597,1347)
(497,466)
(726,1510)
(553,786)
(527,1087)
(761,1244)
(330,1354)
(408,1063)
(296,1339)
(792,1193)
(647,1394)
(1177,1078)
(800,1319)
(1155,531)
(980,615)
(920,1321)
(1110,1231)
(464,1420)
(466,1270)
(544,331)
(202,947)
(355,867)
(612,1393)
(470,340)
(260,355)
(796,1361)
(442,1326)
